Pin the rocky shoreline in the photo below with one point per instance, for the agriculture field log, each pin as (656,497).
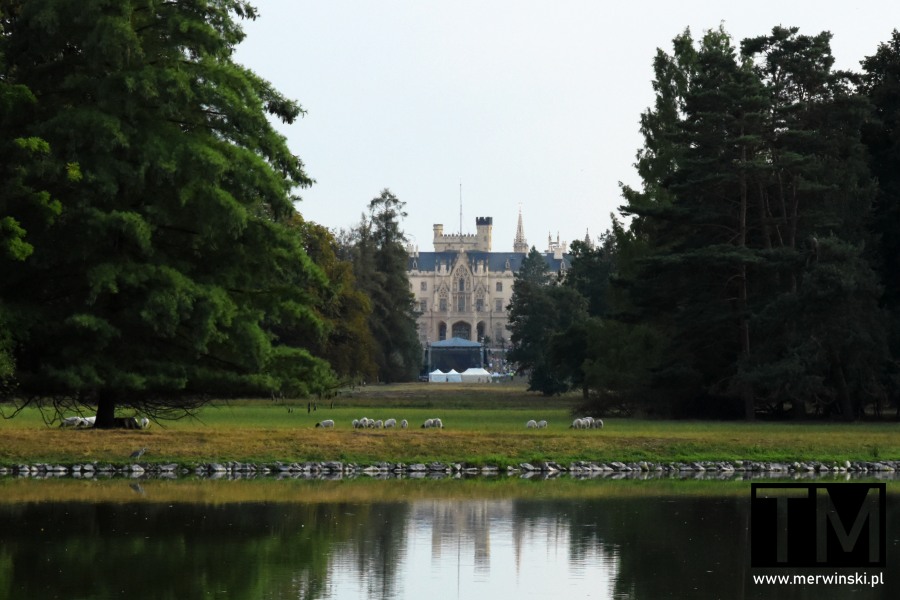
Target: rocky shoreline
(886,469)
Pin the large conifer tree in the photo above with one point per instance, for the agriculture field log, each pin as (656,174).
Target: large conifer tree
(168,266)
(750,227)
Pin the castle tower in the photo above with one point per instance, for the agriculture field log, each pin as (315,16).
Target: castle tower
(587,239)
(483,227)
(520,244)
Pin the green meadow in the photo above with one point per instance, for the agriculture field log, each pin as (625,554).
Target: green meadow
(482,425)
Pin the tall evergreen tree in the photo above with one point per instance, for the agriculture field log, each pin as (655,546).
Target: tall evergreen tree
(539,309)
(813,198)
(379,258)
(763,167)
(168,266)
(881,85)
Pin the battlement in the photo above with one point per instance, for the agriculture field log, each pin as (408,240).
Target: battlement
(458,242)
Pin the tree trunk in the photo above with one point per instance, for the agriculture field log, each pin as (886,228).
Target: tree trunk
(106,410)
(798,409)
(844,401)
(743,296)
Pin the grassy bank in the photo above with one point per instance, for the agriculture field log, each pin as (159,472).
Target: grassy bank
(483,425)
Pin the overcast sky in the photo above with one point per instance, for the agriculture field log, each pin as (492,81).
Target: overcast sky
(526,104)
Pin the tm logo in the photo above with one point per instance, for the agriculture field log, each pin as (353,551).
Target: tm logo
(817,524)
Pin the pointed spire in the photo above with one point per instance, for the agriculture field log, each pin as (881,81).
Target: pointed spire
(520,244)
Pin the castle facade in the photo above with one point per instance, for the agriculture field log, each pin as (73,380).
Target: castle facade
(463,288)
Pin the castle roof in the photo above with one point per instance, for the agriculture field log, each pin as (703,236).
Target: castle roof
(495,261)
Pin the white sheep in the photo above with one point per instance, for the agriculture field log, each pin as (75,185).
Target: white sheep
(598,424)
(355,423)
(428,424)
(404,424)
(579,424)
(542,424)
(325,423)
(379,424)
(531,424)
(74,422)
(437,423)
(390,423)
(143,422)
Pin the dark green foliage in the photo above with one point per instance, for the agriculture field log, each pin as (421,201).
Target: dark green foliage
(168,266)
(745,253)
(378,253)
(881,85)
(347,344)
(539,309)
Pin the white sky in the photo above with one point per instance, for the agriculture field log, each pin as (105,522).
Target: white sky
(525,103)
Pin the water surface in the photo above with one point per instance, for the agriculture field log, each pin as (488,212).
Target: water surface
(415,540)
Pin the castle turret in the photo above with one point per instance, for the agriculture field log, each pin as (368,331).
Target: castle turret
(483,227)
(520,244)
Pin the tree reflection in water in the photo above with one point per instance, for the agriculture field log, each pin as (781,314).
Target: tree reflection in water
(644,547)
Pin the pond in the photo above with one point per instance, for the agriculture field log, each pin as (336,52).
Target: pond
(394,540)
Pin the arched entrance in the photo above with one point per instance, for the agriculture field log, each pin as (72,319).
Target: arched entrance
(462,330)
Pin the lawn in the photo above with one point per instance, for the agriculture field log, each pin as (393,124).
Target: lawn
(483,425)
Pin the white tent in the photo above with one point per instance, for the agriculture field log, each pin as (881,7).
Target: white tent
(476,375)
(437,376)
(453,376)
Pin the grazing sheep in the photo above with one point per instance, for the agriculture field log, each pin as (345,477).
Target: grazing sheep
(89,421)
(404,424)
(531,424)
(126,422)
(598,424)
(579,424)
(74,422)
(542,424)
(355,423)
(379,424)
(390,423)
(437,423)
(428,424)
(325,423)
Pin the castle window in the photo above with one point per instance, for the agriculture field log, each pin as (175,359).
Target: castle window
(423,286)
(479,305)
(443,304)
(499,286)
(423,306)
(461,303)
(462,284)
(498,305)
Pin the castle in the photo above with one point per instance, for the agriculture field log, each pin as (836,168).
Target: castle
(463,288)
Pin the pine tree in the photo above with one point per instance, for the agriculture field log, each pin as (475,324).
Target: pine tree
(169,264)
(378,251)
(539,309)
(765,190)
(881,85)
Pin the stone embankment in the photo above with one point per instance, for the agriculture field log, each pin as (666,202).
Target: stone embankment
(886,469)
